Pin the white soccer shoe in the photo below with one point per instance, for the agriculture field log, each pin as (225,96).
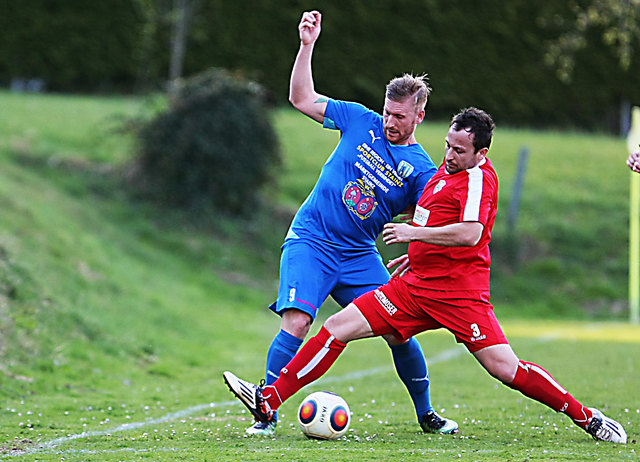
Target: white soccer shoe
(251,396)
(603,428)
(263,428)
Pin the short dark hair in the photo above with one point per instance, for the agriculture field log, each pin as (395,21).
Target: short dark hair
(477,122)
(407,86)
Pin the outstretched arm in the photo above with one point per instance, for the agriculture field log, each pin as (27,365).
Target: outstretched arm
(301,89)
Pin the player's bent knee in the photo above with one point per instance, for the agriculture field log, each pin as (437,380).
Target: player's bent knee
(332,324)
(499,361)
(296,322)
(504,371)
(504,374)
(348,324)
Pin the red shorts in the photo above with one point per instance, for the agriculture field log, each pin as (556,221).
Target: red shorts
(404,311)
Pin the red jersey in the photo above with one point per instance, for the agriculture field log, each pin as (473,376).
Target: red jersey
(469,195)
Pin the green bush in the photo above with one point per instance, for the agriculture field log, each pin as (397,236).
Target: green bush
(213,148)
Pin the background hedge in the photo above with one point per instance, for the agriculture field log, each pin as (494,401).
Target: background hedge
(481,52)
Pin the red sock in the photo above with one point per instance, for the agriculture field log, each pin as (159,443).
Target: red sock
(310,363)
(533,381)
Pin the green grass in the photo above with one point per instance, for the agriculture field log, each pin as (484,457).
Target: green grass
(114,313)
(68,127)
(496,423)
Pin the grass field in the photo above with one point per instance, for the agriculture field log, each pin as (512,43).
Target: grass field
(116,320)
(595,361)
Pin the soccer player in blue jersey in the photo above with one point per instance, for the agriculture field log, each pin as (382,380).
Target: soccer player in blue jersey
(377,171)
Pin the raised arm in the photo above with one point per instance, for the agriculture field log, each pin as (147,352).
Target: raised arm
(301,89)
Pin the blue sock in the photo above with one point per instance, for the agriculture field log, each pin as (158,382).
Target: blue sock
(283,348)
(412,369)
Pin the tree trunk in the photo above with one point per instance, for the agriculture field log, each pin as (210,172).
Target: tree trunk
(179,37)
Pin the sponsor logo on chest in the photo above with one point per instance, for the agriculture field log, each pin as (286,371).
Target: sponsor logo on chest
(421,216)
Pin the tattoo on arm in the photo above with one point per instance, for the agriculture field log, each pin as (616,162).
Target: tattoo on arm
(322,99)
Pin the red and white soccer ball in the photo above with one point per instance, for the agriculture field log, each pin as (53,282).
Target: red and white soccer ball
(323,415)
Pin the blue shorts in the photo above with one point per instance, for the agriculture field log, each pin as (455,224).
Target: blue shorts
(311,271)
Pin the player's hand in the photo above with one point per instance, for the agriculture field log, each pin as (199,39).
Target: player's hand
(403,265)
(310,27)
(634,161)
(394,233)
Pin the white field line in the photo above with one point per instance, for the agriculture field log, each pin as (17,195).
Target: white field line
(124,427)
(49,445)
(446,355)
(355,375)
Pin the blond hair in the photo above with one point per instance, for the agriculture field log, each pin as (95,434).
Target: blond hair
(410,86)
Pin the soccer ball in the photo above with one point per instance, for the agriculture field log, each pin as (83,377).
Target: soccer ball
(323,415)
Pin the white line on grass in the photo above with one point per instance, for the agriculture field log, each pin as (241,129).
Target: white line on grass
(439,358)
(49,445)
(446,355)
(124,427)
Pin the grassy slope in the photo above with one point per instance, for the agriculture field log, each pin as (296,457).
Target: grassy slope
(110,313)
(97,292)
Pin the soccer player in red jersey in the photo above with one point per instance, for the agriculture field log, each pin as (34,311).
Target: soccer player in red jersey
(443,282)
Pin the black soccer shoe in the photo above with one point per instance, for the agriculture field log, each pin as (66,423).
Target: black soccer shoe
(431,422)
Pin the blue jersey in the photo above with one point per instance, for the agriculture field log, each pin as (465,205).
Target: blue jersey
(365,182)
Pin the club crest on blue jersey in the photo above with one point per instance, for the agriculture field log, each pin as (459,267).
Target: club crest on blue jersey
(359,198)
(405,169)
